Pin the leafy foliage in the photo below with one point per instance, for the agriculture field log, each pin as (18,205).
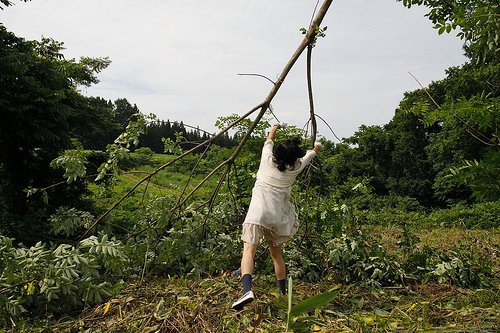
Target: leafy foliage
(477,20)
(303,324)
(73,161)
(40,107)
(171,146)
(480,216)
(42,279)
(119,149)
(482,177)
(356,261)
(69,221)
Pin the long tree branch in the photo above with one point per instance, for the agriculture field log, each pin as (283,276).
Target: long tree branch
(213,172)
(192,172)
(312,117)
(309,37)
(126,195)
(314,126)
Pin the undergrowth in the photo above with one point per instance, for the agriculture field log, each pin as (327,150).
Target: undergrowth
(161,304)
(150,302)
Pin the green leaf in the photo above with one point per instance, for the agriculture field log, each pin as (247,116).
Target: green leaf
(313,303)
(300,327)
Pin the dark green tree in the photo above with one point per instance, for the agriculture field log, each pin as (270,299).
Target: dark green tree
(410,171)
(370,158)
(465,104)
(96,125)
(124,111)
(40,107)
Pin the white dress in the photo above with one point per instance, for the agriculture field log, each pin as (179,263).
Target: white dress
(270,206)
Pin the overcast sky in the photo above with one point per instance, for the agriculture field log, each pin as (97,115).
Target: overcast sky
(180,59)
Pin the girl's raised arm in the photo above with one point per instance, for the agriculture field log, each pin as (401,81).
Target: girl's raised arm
(272,134)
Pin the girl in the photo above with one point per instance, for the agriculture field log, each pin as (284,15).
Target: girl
(271,214)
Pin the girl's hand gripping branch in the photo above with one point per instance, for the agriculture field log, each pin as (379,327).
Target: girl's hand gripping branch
(272,134)
(317,146)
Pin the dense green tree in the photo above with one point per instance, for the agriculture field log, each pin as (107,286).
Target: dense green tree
(465,104)
(96,125)
(449,148)
(467,124)
(362,159)
(467,81)
(372,157)
(158,130)
(40,107)
(123,111)
(410,171)
(388,159)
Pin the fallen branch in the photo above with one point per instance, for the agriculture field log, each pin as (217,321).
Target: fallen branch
(126,195)
(3,290)
(307,40)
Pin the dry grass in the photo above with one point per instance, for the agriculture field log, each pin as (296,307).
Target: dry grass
(162,305)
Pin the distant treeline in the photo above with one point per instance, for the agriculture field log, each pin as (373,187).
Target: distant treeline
(191,136)
(113,118)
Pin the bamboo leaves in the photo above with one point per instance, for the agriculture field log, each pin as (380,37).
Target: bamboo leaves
(308,305)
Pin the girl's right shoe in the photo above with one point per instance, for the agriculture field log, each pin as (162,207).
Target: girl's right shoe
(245,299)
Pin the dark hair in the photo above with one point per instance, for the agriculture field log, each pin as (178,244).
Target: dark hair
(287,153)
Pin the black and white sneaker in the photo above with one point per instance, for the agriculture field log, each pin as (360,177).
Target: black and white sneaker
(245,299)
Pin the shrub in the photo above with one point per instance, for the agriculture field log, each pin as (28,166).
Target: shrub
(358,260)
(40,279)
(481,216)
(304,260)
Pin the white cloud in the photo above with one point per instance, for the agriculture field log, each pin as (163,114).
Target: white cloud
(180,59)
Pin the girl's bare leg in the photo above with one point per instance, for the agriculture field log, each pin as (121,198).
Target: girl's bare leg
(247,263)
(246,276)
(279,263)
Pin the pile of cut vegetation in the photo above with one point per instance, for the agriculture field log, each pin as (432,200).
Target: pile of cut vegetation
(178,304)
